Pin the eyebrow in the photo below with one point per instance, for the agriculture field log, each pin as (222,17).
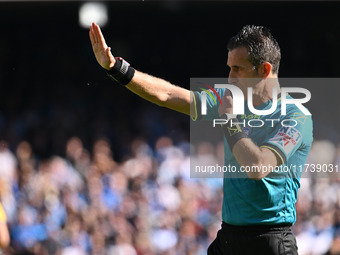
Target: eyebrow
(234,66)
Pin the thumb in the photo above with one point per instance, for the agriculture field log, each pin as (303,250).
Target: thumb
(110,56)
(227,93)
(109,53)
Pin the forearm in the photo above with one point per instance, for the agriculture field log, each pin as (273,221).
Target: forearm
(160,92)
(247,153)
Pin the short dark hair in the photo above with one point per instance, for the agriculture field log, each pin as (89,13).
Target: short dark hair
(261,46)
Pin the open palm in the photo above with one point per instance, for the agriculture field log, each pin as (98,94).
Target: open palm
(100,49)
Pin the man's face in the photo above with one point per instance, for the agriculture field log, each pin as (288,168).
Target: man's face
(242,73)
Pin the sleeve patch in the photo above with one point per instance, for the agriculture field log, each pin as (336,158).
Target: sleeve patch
(286,138)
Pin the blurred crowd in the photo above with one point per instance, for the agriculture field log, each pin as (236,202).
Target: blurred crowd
(88,203)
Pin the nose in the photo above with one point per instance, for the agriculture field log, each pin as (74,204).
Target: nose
(232,77)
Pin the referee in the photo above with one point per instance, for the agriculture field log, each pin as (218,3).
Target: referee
(258,206)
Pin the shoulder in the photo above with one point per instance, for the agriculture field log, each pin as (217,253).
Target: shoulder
(295,111)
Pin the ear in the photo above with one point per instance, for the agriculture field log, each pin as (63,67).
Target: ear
(265,69)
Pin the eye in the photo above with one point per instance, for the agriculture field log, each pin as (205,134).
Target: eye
(235,68)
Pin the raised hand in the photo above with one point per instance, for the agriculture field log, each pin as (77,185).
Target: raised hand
(227,104)
(100,49)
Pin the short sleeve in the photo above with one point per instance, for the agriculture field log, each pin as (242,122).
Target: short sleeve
(293,131)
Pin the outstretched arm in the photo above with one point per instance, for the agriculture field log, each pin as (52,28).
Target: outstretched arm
(153,89)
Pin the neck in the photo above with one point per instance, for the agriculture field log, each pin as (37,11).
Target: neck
(263,91)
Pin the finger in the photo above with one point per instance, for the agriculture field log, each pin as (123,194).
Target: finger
(227,93)
(229,101)
(99,36)
(91,37)
(229,98)
(95,32)
(108,51)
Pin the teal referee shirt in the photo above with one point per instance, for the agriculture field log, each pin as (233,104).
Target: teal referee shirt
(272,199)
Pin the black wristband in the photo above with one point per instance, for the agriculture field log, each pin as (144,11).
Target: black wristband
(121,72)
(233,132)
